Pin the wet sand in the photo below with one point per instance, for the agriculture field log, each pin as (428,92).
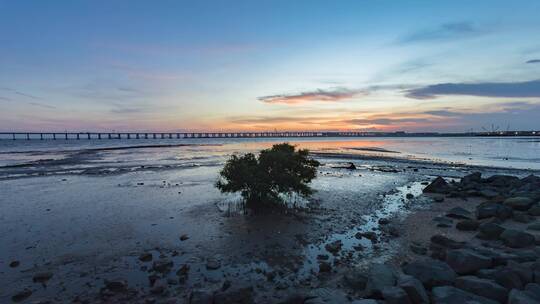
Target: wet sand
(91,227)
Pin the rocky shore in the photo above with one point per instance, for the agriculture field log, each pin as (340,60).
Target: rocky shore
(477,243)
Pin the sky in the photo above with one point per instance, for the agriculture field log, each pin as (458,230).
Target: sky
(415,66)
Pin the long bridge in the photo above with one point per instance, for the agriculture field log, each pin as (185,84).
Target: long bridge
(192,135)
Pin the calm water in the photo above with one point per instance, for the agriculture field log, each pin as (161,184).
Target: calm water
(511,152)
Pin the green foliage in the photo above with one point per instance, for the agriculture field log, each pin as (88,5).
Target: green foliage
(280,169)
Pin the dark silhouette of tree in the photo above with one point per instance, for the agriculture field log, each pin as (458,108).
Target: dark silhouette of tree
(280,169)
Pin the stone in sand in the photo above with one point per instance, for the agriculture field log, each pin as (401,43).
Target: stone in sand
(325,267)
(465,261)
(431,272)
(438,185)
(42,277)
(443,222)
(522,217)
(240,295)
(162,265)
(535,226)
(414,289)
(395,295)
(519,203)
(482,287)
(490,231)
(380,276)
(535,210)
(145,257)
(459,213)
(116,285)
(474,177)
(517,239)
(184,237)
(21,295)
(201,296)
(446,242)
(467,225)
(489,209)
(213,264)
(355,279)
(14,264)
(521,297)
(334,247)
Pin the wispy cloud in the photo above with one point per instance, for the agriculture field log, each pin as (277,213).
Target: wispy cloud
(533,61)
(487,89)
(446,31)
(333,95)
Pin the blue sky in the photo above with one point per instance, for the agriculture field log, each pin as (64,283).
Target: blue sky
(265,65)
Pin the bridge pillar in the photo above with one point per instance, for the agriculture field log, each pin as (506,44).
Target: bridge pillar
(89,137)
(41,136)
(78,136)
(53,136)
(66,136)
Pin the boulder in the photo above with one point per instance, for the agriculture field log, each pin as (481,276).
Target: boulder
(459,213)
(474,177)
(465,261)
(482,287)
(325,267)
(395,295)
(162,265)
(414,289)
(418,248)
(522,217)
(503,181)
(519,203)
(431,272)
(42,277)
(446,242)
(467,225)
(489,209)
(453,295)
(355,279)
(438,185)
(490,231)
(380,276)
(517,239)
(443,222)
(534,226)
(534,210)
(521,297)
(508,278)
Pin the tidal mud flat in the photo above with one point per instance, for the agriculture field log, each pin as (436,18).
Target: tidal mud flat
(165,235)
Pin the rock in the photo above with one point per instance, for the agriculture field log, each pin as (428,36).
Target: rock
(370,235)
(521,297)
(482,287)
(474,177)
(243,295)
(383,221)
(116,285)
(438,199)
(414,289)
(184,237)
(522,217)
(519,203)
(452,295)
(162,265)
(325,267)
(183,270)
(465,261)
(488,193)
(14,264)
(213,264)
(431,272)
(443,222)
(438,185)
(535,227)
(409,196)
(351,166)
(158,288)
(487,210)
(503,180)
(517,239)
(508,278)
(379,277)
(446,242)
(458,213)
(355,279)
(42,277)
(490,231)
(21,295)
(395,295)
(467,225)
(200,296)
(145,257)
(418,248)
(534,210)
(334,247)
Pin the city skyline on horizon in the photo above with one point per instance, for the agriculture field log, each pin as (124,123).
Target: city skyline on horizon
(411,66)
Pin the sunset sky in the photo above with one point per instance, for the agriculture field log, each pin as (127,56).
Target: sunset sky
(265,65)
